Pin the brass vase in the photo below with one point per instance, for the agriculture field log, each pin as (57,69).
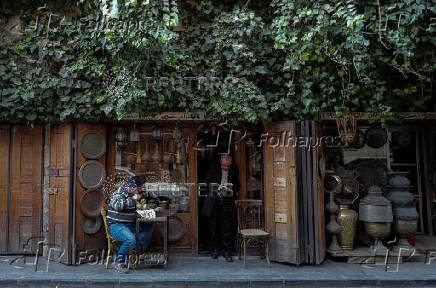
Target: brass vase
(347,219)
(147,155)
(155,157)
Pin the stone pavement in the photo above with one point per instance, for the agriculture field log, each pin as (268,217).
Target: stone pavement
(202,271)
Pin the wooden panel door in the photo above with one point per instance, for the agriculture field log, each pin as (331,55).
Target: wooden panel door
(25,189)
(60,184)
(4,176)
(280,192)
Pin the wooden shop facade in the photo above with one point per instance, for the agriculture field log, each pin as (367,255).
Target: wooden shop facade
(54,180)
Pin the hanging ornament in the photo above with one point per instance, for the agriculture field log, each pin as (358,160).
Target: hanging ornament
(121,138)
(346,127)
(177,133)
(157,134)
(134,134)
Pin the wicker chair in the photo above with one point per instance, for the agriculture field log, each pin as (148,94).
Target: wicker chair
(250,228)
(112,240)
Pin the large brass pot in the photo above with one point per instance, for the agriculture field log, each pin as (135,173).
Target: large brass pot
(405,228)
(378,231)
(347,219)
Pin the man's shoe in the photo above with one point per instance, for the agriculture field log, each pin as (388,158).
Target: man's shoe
(121,267)
(214,254)
(228,256)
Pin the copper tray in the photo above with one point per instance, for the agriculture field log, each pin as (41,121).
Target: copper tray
(91,202)
(91,225)
(92,145)
(176,230)
(92,174)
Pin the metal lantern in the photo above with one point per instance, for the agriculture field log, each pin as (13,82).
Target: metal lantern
(213,128)
(157,134)
(177,134)
(350,187)
(134,135)
(121,138)
(347,127)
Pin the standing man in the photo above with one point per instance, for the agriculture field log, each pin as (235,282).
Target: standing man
(121,217)
(220,205)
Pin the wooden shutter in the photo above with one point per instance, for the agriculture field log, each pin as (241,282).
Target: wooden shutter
(310,193)
(60,184)
(320,205)
(280,192)
(4,175)
(294,195)
(25,189)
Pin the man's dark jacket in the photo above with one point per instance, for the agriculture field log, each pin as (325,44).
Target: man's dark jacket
(213,175)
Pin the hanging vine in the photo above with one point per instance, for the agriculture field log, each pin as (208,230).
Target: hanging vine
(97,59)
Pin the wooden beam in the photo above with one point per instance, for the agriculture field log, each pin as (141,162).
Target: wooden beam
(330,116)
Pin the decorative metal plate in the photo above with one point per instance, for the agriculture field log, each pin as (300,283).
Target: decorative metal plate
(91,202)
(359,140)
(376,137)
(92,145)
(369,172)
(176,229)
(91,225)
(92,174)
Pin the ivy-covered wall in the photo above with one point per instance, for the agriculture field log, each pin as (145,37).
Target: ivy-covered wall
(256,60)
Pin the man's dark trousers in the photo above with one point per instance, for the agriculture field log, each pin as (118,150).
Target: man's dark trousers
(222,224)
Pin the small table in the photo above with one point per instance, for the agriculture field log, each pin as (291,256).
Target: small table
(163,220)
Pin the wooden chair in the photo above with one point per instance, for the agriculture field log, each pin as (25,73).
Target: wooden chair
(250,228)
(112,240)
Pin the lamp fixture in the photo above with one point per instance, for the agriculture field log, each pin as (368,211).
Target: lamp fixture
(157,134)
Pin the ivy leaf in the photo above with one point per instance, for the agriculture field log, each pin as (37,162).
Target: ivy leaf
(228,54)
(28,96)
(31,116)
(261,69)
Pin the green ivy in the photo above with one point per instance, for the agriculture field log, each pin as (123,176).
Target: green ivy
(102,59)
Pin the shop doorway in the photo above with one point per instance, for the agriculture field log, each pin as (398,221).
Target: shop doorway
(247,157)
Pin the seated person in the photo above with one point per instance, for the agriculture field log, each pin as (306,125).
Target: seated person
(121,217)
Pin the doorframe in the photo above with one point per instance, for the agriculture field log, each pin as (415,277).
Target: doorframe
(8,218)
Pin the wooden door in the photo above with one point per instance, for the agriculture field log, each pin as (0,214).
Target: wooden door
(25,189)
(280,192)
(4,184)
(60,191)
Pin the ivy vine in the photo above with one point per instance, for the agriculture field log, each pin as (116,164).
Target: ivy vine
(102,59)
